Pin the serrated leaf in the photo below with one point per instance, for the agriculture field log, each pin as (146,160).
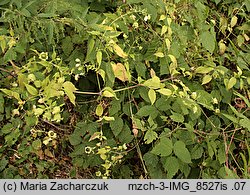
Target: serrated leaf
(176,117)
(146,111)
(152,96)
(206,79)
(166,92)
(116,126)
(164,147)
(150,136)
(182,152)
(171,165)
(69,89)
(208,41)
(99,110)
(231,83)
(203,69)
(37,144)
(197,152)
(233,21)
(75,139)
(32,90)
(159,54)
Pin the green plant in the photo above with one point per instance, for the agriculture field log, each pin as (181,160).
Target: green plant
(172,88)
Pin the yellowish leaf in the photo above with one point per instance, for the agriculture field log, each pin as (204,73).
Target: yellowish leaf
(166,92)
(152,96)
(120,72)
(119,51)
(206,79)
(99,110)
(233,21)
(159,54)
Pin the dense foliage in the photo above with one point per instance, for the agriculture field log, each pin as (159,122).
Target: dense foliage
(124,89)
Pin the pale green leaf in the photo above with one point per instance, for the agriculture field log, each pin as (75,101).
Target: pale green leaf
(176,117)
(206,79)
(152,96)
(182,152)
(231,83)
(203,69)
(11,93)
(99,58)
(159,54)
(233,21)
(166,92)
(99,110)
(32,90)
(69,89)
(119,51)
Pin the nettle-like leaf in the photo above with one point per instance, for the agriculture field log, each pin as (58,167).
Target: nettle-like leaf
(171,165)
(164,147)
(182,152)
(150,136)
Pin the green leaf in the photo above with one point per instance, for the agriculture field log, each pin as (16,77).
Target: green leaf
(108,92)
(159,54)
(116,126)
(203,69)
(146,111)
(1,103)
(171,165)
(245,122)
(182,152)
(206,79)
(3,163)
(166,92)
(99,58)
(208,41)
(154,83)
(150,136)
(152,96)
(11,94)
(197,152)
(164,147)
(99,110)
(75,139)
(37,144)
(176,117)
(32,90)
(69,89)
(231,83)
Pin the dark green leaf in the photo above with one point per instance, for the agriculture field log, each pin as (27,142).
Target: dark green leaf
(182,152)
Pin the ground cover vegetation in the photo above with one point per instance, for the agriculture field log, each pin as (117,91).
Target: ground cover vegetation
(124,89)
